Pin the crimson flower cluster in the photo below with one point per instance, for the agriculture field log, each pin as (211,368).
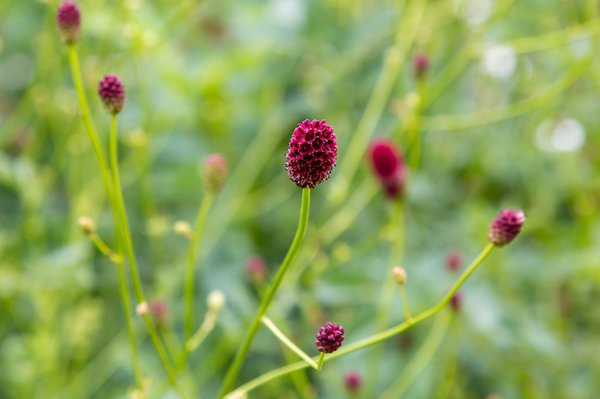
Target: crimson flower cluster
(112,93)
(68,20)
(506,227)
(311,154)
(329,337)
(388,166)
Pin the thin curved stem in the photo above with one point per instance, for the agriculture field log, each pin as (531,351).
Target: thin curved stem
(372,340)
(288,342)
(190,268)
(269,295)
(125,233)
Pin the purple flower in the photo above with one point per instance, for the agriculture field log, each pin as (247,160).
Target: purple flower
(311,154)
(215,172)
(329,338)
(388,166)
(68,19)
(506,227)
(420,65)
(353,381)
(256,269)
(453,260)
(456,301)
(112,93)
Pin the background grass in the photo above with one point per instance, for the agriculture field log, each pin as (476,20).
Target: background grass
(235,78)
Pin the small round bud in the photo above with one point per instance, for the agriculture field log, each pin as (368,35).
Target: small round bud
(329,337)
(399,274)
(215,300)
(311,154)
(142,309)
(68,20)
(456,301)
(215,173)
(352,381)
(420,65)
(506,227)
(256,269)
(388,167)
(112,93)
(183,228)
(453,260)
(160,312)
(87,225)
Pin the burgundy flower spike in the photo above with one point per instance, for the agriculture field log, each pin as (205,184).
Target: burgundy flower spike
(329,338)
(68,19)
(312,153)
(506,227)
(388,166)
(112,93)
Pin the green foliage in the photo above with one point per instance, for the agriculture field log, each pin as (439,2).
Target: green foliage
(235,78)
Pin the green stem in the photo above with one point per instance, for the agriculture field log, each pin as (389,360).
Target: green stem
(191,263)
(269,295)
(125,231)
(374,339)
(102,164)
(420,359)
(405,305)
(320,361)
(287,342)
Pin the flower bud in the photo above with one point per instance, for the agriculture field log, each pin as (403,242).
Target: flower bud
(506,227)
(352,381)
(112,93)
(215,300)
(420,65)
(456,301)
(183,229)
(142,309)
(329,337)
(311,154)
(215,173)
(388,166)
(256,269)
(399,274)
(68,20)
(87,225)
(453,260)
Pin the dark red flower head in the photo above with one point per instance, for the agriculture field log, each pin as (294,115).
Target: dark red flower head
(215,172)
(68,19)
(456,301)
(506,227)
(453,260)
(388,166)
(329,338)
(112,93)
(312,153)
(256,269)
(420,65)
(353,381)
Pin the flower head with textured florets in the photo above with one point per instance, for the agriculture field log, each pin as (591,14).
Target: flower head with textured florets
(68,19)
(506,227)
(312,153)
(329,338)
(112,93)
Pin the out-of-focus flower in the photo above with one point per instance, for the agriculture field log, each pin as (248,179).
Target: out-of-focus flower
(420,65)
(68,20)
(352,381)
(256,268)
(453,260)
(389,167)
(215,172)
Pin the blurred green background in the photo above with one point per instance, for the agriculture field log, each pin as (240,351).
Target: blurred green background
(508,115)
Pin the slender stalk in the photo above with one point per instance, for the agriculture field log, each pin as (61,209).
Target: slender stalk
(126,236)
(269,295)
(191,263)
(320,361)
(104,170)
(287,342)
(372,340)
(405,305)
(420,360)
